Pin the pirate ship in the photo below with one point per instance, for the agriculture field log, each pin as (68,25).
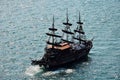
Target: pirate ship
(71,47)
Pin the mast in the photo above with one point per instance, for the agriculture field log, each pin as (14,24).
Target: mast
(67,30)
(52,35)
(53,32)
(79,30)
(67,20)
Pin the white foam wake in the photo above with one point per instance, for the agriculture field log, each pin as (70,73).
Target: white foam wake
(32,70)
(60,71)
(69,70)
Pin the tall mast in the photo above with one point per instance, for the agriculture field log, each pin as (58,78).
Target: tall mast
(52,35)
(67,21)
(67,30)
(79,27)
(79,30)
(67,16)
(79,17)
(79,22)
(53,32)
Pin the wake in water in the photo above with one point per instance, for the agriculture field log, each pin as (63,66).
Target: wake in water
(33,70)
(59,71)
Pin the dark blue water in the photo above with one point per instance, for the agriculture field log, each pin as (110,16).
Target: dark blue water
(22,35)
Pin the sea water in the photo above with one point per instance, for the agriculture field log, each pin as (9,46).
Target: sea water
(23,24)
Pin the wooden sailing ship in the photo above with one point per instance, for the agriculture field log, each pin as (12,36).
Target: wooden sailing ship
(71,47)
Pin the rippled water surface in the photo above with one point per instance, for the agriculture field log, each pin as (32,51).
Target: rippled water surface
(23,24)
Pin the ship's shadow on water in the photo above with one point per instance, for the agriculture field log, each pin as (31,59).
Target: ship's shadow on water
(63,70)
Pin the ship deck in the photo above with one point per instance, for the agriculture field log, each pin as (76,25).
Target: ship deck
(62,46)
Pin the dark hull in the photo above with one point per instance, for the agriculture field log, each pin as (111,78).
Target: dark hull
(56,58)
(66,57)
